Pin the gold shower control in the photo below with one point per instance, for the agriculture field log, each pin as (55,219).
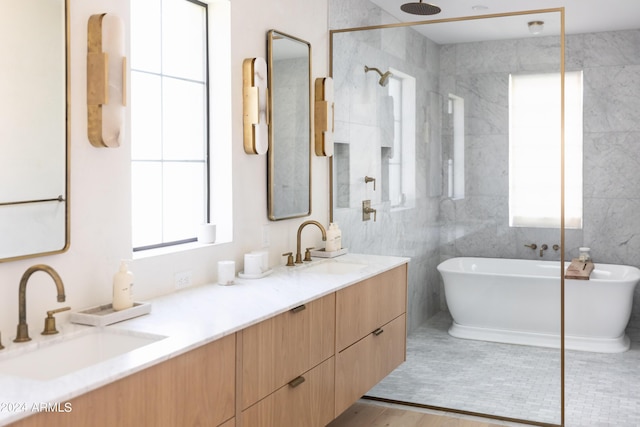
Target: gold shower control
(368,179)
(367,210)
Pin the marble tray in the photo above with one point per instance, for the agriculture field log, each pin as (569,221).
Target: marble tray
(104,315)
(324,254)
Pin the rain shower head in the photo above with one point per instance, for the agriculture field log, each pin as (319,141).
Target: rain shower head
(384,78)
(420,8)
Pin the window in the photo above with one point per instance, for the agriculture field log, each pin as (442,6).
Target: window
(399,159)
(534,150)
(455,171)
(396,195)
(169,121)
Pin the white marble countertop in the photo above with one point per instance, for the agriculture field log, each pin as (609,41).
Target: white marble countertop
(189,319)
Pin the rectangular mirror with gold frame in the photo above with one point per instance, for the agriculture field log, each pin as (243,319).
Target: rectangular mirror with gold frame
(289,155)
(34,144)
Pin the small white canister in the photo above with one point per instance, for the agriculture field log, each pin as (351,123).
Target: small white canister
(207,233)
(253,264)
(226,272)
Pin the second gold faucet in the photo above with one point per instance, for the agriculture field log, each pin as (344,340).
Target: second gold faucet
(298,244)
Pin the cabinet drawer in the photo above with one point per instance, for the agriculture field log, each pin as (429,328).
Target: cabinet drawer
(363,307)
(365,363)
(309,404)
(281,348)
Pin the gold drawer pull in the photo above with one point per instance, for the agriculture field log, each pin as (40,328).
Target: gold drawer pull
(296,381)
(378,331)
(298,309)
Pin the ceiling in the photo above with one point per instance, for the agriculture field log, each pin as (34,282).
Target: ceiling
(581,16)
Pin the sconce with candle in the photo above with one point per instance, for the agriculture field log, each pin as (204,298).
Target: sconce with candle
(255,113)
(323,116)
(106,80)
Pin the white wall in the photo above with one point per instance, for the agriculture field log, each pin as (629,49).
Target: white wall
(100,190)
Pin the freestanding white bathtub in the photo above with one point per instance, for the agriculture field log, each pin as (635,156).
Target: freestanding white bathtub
(518,301)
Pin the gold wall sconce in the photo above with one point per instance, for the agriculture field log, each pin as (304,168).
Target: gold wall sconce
(106,80)
(255,110)
(324,116)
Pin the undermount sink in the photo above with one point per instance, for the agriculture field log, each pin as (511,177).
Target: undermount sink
(335,267)
(49,361)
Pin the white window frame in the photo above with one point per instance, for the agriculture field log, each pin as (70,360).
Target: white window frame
(455,169)
(404,119)
(219,130)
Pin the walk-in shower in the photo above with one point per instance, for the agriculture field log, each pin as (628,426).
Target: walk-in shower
(473,60)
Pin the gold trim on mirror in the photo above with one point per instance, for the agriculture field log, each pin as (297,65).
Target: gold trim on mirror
(324,117)
(105,79)
(255,117)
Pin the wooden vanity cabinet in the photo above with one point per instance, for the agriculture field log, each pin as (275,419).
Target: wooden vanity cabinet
(363,326)
(278,350)
(303,367)
(370,334)
(195,388)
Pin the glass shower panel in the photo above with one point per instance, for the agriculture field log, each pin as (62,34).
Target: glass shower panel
(603,313)
(488,342)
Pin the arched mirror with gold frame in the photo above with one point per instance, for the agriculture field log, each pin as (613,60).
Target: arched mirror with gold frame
(34,128)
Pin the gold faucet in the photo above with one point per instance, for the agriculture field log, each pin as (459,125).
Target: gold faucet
(23,329)
(543,248)
(304,224)
(50,321)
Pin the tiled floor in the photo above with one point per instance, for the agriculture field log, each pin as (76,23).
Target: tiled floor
(521,382)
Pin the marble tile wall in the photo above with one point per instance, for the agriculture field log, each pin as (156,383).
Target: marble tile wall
(478,225)
(439,228)
(611,64)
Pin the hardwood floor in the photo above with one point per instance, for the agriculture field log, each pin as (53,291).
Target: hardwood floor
(363,414)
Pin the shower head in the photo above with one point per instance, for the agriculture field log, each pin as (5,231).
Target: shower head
(420,8)
(384,78)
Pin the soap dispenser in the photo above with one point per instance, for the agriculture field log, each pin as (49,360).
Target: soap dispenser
(334,238)
(122,288)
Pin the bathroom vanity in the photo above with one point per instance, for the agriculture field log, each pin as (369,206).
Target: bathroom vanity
(295,348)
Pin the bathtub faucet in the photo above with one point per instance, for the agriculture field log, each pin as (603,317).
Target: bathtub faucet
(543,248)
(533,246)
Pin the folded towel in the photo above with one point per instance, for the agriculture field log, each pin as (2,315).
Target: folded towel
(579,270)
